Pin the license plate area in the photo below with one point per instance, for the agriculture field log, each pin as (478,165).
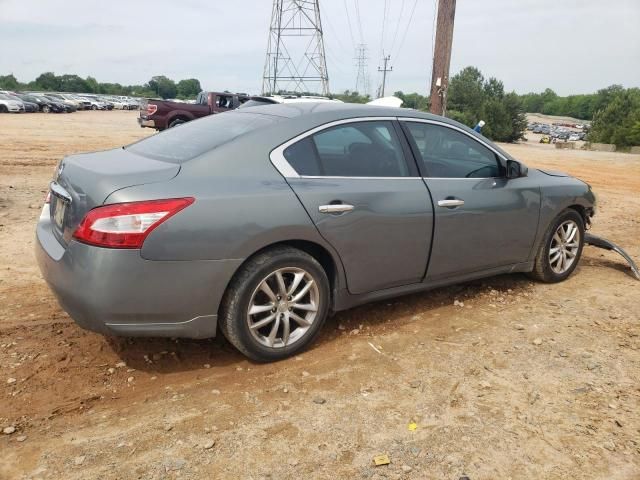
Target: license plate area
(58,210)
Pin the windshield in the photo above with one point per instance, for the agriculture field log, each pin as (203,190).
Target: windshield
(187,141)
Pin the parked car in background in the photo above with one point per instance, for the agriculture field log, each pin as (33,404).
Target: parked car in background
(261,221)
(71,106)
(81,103)
(29,107)
(257,100)
(163,114)
(43,105)
(119,104)
(10,105)
(95,103)
(65,106)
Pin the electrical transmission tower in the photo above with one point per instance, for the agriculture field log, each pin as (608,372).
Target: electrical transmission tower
(362,80)
(295,53)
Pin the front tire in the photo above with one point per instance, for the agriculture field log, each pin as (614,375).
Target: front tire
(560,249)
(276,304)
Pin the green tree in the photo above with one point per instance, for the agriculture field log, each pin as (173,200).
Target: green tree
(618,121)
(350,96)
(163,86)
(48,81)
(472,98)
(413,100)
(9,82)
(73,83)
(188,88)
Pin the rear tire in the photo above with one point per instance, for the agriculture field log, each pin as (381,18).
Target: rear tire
(176,122)
(560,249)
(46,109)
(3,109)
(286,318)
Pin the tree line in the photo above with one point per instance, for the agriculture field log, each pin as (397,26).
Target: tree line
(614,111)
(157,86)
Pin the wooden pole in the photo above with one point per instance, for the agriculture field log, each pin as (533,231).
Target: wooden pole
(442,56)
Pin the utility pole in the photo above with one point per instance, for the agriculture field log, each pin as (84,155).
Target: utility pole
(442,56)
(384,74)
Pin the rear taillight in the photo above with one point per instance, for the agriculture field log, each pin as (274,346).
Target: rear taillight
(151,108)
(126,225)
(47,199)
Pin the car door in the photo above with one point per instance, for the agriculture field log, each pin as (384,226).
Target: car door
(482,219)
(366,198)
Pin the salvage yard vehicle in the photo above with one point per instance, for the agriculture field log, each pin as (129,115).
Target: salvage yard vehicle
(258,100)
(163,114)
(262,221)
(10,105)
(44,105)
(70,106)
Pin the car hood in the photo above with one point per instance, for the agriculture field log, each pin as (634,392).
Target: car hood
(554,173)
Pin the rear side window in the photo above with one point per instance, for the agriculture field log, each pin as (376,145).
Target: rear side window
(189,140)
(447,153)
(361,149)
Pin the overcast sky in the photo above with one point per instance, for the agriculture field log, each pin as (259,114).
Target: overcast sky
(572,46)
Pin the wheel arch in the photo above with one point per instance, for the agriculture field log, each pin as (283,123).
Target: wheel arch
(178,116)
(330,264)
(585,212)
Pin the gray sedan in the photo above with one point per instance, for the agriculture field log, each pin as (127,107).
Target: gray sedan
(261,221)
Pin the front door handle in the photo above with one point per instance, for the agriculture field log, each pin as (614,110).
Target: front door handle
(450,202)
(335,208)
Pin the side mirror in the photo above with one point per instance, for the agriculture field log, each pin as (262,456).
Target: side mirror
(516,169)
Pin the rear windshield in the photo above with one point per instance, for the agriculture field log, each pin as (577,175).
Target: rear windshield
(189,140)
(256,102)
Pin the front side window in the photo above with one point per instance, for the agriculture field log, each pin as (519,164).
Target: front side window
(447,153)
(360,149)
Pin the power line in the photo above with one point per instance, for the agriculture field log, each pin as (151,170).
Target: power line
(404,36)
(335,35)
(353,43)
(359,20)
(395,35)
(384,22)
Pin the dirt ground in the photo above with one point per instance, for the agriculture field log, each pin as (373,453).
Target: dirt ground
(524,381)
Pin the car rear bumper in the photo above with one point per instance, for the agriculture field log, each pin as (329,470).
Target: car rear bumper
(143,122)
(117,292)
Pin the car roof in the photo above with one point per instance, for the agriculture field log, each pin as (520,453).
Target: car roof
(308,115)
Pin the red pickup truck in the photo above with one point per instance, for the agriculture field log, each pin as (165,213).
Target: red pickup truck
(163,114)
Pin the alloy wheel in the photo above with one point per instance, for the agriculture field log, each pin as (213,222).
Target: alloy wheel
(283,307)
(564,247)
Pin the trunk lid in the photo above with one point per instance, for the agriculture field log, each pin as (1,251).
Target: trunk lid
(86,180)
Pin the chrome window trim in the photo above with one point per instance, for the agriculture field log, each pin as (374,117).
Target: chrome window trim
(453,127)
(320,177)
(287,171)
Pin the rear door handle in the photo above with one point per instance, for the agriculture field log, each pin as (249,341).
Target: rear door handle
(335,208)
(450,202)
